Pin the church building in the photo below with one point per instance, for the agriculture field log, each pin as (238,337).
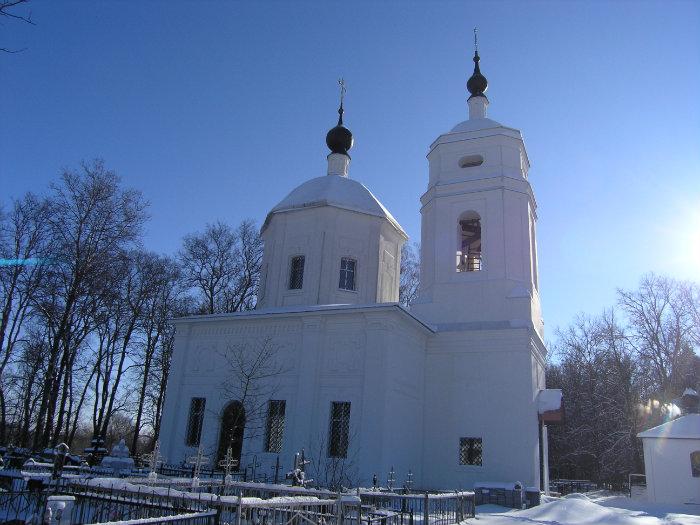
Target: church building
(451,390)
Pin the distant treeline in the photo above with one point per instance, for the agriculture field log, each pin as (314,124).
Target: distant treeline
(620,373)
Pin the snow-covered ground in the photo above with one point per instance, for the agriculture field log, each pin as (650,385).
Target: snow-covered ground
(599,508)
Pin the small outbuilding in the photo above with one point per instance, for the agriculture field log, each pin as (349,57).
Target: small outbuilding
(672,457)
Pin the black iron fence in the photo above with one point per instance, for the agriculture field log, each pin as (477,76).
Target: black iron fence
(238,503)
(188,472)
(22,505)
(435,509)
(568,486)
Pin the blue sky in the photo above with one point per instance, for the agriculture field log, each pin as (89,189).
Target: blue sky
(216,110)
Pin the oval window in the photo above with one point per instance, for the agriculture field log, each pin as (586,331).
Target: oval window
(471,161)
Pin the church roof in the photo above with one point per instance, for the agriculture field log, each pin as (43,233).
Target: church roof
(337,191)
(684,427)
(305,309)
(476,124)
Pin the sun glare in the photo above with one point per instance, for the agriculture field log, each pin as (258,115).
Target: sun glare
(684,246)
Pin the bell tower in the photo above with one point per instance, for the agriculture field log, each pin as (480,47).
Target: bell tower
(478,217)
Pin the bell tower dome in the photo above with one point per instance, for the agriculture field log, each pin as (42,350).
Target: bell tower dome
(478,216)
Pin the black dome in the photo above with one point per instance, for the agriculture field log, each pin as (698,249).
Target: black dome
(477,83)
(339,139)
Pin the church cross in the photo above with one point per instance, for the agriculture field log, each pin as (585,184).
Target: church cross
(228,462)
(197,461)
(343,89)
(476,45)
(409,481)
(154,459)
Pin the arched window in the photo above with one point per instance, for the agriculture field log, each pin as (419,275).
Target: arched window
(231,434)
(469,248)
(695,463)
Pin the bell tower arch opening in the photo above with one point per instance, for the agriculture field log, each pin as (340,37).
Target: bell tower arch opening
(469,242)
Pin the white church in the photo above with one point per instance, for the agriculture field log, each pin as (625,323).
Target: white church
(451,390)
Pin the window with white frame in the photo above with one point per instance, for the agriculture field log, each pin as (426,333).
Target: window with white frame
(296,273)
(348,268)
(339,432)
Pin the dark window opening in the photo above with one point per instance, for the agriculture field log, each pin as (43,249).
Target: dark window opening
(471,161)
(274,432)
(469,254)
(347,274)
(470,451)
(296,273)
(339,434)
(231,432)
(695,463)
(195,420)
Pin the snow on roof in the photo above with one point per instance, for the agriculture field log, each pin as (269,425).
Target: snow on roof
(475,124)
(506,485)
(301,309)
(548,400)
(334,190)
(684,427)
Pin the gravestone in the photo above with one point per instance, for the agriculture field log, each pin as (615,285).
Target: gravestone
(119,460)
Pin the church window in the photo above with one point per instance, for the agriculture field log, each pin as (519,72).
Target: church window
(470,451)
(275,425)
(339,434)
(296,273)
(695,463)
(194,422)
(469,249)
(347,274)
(471,161)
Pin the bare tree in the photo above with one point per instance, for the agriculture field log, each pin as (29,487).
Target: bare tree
(241,294)
(223,266)
(91,221)
(619,373)
(163,275)
(254,371)
(13,9)
(24,248)
(334,473)
(410,274)
(663,329)
(600,381)
(159,379)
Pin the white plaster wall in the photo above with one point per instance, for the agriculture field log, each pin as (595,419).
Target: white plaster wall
(482,383)
(370,357)
(668,471)
(505,290)
(324,235)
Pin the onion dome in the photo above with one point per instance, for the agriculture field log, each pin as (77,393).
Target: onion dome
(339,139)
(477,83)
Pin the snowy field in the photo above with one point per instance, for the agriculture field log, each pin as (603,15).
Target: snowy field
(598,508)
